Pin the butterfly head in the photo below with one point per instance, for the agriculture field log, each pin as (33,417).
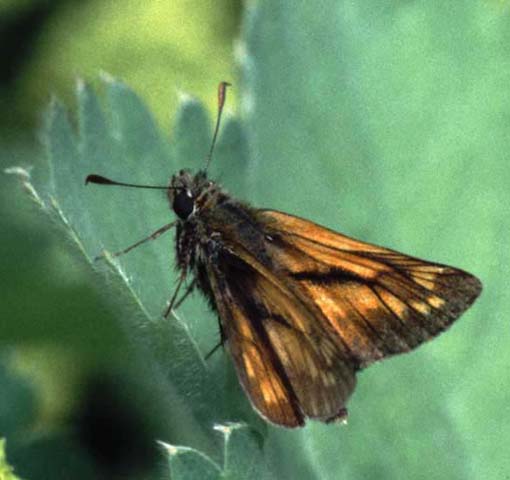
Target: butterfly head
(189,193)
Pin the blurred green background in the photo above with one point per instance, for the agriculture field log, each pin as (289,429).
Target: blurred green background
(386,122)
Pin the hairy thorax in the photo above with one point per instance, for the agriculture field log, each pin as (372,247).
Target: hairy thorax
(212,227)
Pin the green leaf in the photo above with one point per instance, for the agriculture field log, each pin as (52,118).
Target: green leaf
(242,457)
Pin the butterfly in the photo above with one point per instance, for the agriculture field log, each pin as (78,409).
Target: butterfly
(301,307)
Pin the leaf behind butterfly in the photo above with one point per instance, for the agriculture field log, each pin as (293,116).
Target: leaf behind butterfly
(116,135)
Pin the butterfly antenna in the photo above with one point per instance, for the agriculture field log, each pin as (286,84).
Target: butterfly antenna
(100,180)
(222,91)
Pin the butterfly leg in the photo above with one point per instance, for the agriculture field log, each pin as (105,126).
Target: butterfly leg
(213,350)
(185,295)
(222,341)
(174,296)
(152,236)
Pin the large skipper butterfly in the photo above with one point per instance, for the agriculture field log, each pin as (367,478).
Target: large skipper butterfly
(301,308)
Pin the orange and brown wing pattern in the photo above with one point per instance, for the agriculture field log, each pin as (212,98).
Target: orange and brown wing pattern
(378,302)
(287,366)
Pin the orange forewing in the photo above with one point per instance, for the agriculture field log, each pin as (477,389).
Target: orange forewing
(379,302)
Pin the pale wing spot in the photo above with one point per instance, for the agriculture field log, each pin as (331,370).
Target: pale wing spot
(269,387)
(397,306)
(248,366)
(428,284)
(420,307)
(331,309)
(426,274)
(366,301)
(436,301)
(268,391)
(244,328)
(340,317)
(432,269)
(277,343)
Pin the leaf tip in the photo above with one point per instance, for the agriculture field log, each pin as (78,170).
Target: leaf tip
(185,98)
(172,450)
(23,173)
(107,77)
(227,428)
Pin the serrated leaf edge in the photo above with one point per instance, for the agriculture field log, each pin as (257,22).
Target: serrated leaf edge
(24,176)
(174,450)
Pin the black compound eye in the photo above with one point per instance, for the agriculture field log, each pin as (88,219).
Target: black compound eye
(183,204)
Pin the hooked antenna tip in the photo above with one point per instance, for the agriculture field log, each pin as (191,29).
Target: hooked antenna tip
(93,178)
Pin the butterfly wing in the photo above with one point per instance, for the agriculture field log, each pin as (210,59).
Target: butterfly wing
(302,307)
(287,366)
(378,302)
